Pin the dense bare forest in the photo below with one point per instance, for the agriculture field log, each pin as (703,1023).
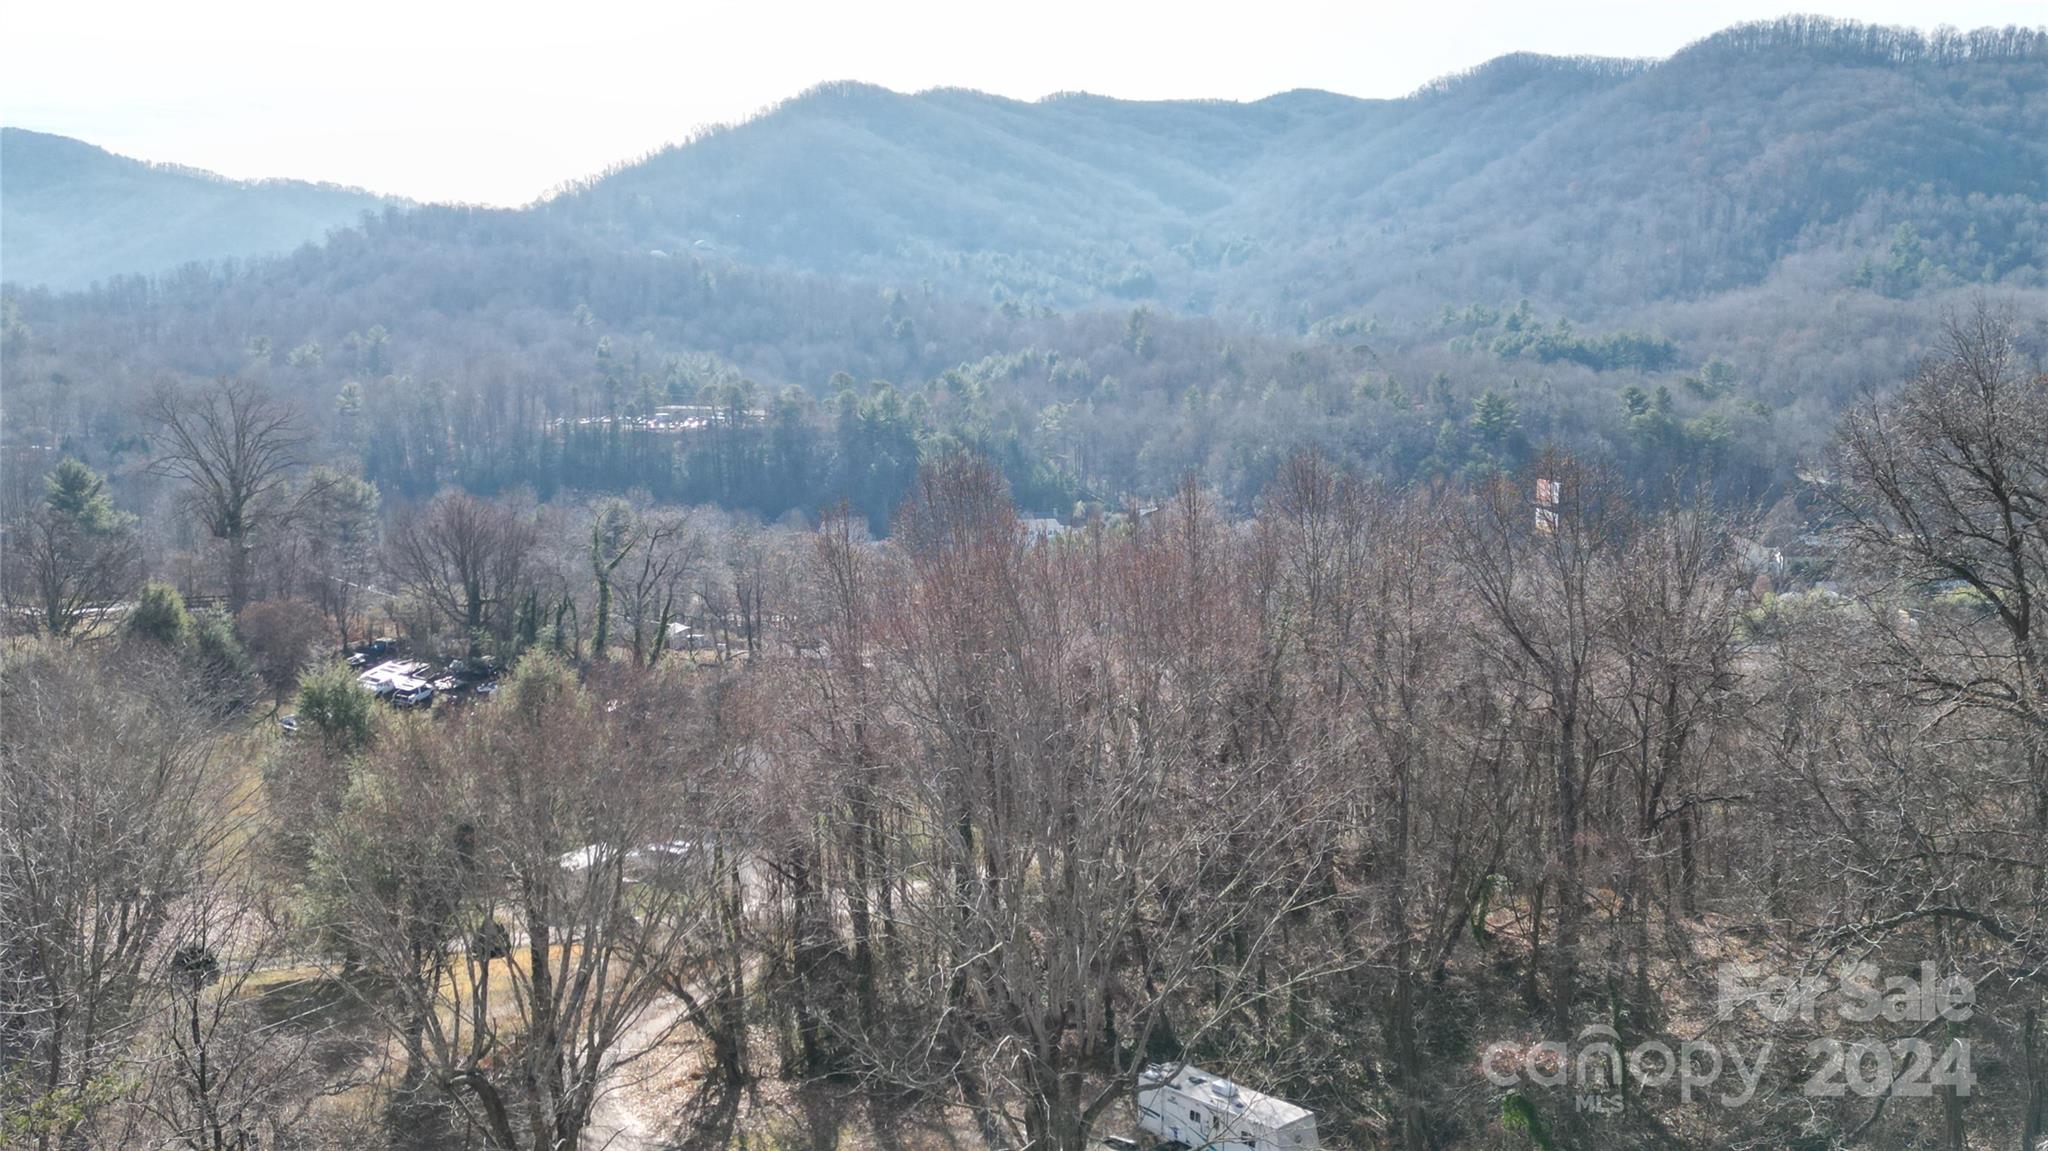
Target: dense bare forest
(792,833)
(1503,618)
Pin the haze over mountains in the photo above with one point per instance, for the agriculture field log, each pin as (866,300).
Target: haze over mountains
(1586,180)
(1578,180)
(1693,261)
(72,214)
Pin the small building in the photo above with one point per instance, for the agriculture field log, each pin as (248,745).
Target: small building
(1187,1105)
(1039,529)
(1759,557)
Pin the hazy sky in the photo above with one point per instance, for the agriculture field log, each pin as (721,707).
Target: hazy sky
(497,102)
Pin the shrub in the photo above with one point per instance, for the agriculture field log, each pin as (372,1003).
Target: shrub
(160,615)
(334,704)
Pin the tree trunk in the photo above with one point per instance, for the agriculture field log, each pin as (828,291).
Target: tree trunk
(1564,948)
(238,572)
(809,949)
(857,911)
(1688,866)
(2036,1120)
(1406,1053)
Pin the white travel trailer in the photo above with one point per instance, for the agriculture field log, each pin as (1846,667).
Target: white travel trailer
(1187,1105)
(386,677)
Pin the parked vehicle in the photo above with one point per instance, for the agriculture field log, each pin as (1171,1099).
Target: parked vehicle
(374,649)
(1185,1104)
(391,676)
(410,692)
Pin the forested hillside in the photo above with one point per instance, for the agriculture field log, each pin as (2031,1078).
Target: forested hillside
(1591,184)
(1465,825)
(1686,265)
(72,214)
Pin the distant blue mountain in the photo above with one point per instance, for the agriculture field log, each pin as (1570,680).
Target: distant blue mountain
(72,214)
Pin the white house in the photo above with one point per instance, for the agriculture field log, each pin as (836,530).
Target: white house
(1188,1105)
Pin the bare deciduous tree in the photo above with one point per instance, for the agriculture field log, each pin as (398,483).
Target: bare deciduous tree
(1948,483)
(656,589)
(467,557)
(1103,871)
(236,448)
(1535,561)
(530,880)
(115,805)
(280,635)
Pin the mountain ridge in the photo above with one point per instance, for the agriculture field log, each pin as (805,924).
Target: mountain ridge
(72,212)
(1101,200)
(1593,184)
(1695,263)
